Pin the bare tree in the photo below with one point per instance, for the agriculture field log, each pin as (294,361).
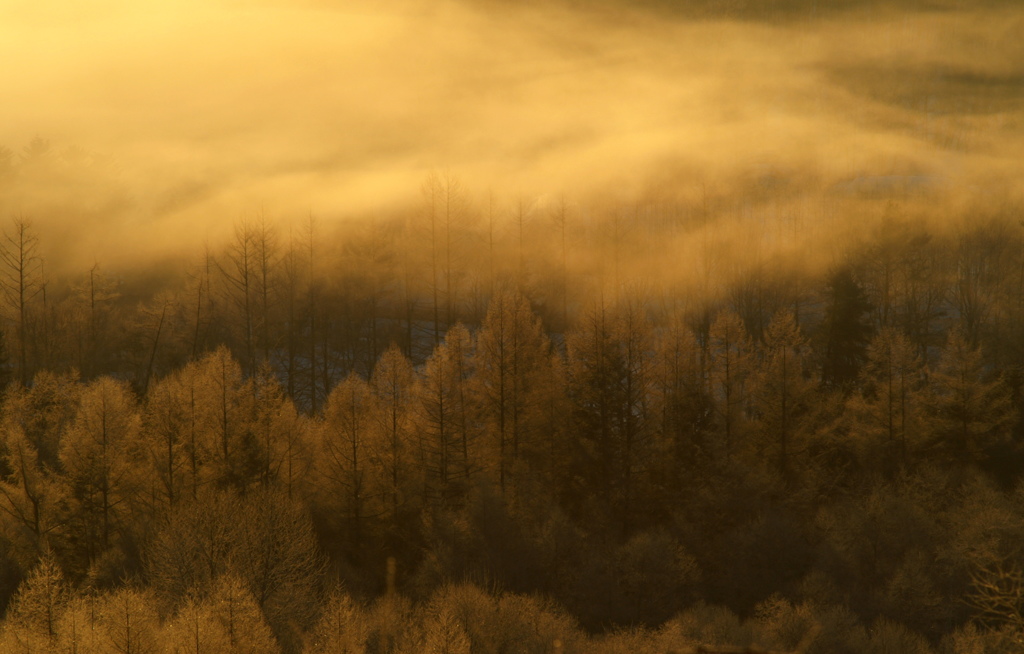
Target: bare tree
(21,281)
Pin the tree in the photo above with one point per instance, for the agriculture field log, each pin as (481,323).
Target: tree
(683,398)
(224,410)
(341,629)
(165,427)
(609,380)
(348,450)
(443,418)
(40,601)
(195,629)
(392,384)
(561,223)
(511,376)
(890,407)
(728,372)
(444,634)
(782,392)
(32,493)
(239,272)
(274,428)
(445,212)
(971,413)
(130,621)
(262,540)
(846,330)
(100,455)
(21,280)
(266,245)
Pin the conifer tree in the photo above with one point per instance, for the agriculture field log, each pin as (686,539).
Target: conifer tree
(971,411)
(847,330)
(392,384)
(729,360)
(101,455)
(39,604)
(444,418)
(783,392)
(511,375)
(890,407)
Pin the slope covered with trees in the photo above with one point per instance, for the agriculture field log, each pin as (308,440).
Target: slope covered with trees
(446,431)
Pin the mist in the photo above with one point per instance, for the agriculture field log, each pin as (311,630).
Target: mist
(167,124)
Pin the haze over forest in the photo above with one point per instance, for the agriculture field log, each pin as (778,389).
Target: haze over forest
(173,121)
(483,326)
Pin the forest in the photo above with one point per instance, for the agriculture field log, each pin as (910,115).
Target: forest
(482,424)
(490,327)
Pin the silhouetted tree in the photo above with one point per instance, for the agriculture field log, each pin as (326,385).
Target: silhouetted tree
(782,392)
(846,330)
(971,413)
(729,370)
(21,280)
(891,404)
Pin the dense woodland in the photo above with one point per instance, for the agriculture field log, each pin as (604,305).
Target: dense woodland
(486,427)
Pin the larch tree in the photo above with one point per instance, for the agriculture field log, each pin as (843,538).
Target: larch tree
(165,430)
(561,222)
(684,405)
(224,409)
(273,427)
(130,622)
(348,451)
(242,625)
(34,424)
(890,409)
(31,497)
(285,435)
(393,383)
(266,244)
(595,370)
(782,392)
(444,214)
(443,418)
(239,270)
(38,606)
(195,629)
(637,426)
(275,554)
(372,271)
(729,372)
(610,378)
(847,330)
(21,280)
(511,372)
(262,539)
(342,628)
(101,456)
(971,411)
